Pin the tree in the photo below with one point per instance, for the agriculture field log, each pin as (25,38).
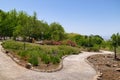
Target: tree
(96,40)
(115,38)
(3,21)
(57,31)
(20,24)
(23,28)
(78,39)
(8,22)
(11,22)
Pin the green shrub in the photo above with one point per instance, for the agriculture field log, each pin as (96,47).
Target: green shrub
(47,53)
(23,54)
(45,58)
(12,45)
(94,48)
(55,59)
(33,59)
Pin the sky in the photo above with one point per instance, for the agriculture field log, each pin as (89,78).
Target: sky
(98,17)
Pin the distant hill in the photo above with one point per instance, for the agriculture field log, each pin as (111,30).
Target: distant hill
(74,34)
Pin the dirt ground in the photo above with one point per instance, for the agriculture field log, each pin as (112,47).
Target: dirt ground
(106,64)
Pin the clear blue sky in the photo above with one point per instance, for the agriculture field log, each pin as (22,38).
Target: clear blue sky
(87,17)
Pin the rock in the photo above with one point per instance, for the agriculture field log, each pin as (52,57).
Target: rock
(16,60)
(99,78)
(28,66)
(95,60)
(108,65)
(6,52)
(115,65)
(117,69)
(109,56)
(100,74)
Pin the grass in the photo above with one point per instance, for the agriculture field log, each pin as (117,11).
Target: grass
(35,54)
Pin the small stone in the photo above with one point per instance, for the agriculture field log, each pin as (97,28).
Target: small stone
(28,66)
(95,59)
(16,60)
(6,52)
(118,69)
(115,65)
(100,74)
(99,78)
(108,65)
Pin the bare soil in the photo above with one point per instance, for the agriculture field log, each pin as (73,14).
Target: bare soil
(107,65)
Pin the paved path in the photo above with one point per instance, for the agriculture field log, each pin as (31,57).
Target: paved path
(75,68)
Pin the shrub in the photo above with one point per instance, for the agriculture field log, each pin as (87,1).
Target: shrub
(23,54)
(47,53)
(55,59)
(33,60)
(47,42)
(56,43)
(94,48)
(68,50)
(71,43)
(12,45)
(45,58)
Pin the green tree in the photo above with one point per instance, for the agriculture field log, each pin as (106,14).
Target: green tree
(57,31)
(3,21)
(115,43)
(11,22)
(23,28)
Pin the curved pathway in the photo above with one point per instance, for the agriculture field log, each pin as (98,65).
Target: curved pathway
(75,68)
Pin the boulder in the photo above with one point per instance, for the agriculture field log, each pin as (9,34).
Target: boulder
(28,66)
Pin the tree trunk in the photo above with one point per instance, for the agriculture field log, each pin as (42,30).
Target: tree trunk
(24,44)
(115,55)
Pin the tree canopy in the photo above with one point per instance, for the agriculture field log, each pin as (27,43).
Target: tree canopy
(20,24)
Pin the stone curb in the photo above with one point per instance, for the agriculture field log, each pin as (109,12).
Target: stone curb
(53,70)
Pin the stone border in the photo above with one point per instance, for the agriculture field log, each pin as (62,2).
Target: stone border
(52,70)
(37,70)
